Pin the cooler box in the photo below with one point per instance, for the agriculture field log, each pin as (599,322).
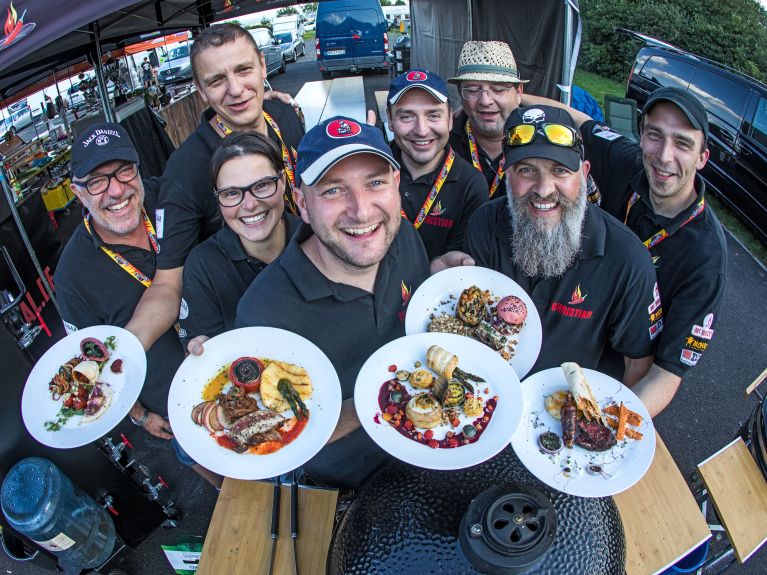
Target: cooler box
(57,195)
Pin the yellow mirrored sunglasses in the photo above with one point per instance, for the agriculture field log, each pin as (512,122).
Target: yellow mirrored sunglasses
(557,134)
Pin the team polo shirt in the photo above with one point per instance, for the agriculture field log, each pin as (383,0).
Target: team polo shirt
(460,143)
(347,323)
(188,212)
(92,289)
(216,274)
(463,191)
(690,263)
(601,300)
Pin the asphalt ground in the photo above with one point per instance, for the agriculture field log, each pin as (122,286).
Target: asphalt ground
(704,416)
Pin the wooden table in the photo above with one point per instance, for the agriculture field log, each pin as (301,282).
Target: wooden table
(324,99)
(661,518)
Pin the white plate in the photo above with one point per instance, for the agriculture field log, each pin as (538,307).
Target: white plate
(190,379)
(624,464)
(439,294)
(37,406)
(475,358)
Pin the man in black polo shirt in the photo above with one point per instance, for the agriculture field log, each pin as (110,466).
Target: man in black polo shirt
(344,280)
(491,89)
(654,188)
(229,72)
(438,188)
(94,285)
(591,280)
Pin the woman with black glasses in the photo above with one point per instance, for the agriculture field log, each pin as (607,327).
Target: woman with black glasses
(249,181)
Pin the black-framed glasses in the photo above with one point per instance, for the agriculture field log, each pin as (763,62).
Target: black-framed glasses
(472,93)
(260,189)
(557,134)
(98,184)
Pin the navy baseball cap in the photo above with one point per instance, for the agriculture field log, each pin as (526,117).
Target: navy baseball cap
(687,102)
(331,141)
(417,78)
(540,146)
(98,144)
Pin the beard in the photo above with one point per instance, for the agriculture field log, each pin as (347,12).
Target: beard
(539,250)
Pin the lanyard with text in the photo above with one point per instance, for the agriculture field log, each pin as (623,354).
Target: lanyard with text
(287,159)
(474,151)
(120,260)
(429,202)
(657,238)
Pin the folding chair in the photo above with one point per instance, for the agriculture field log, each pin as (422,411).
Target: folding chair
(621,116)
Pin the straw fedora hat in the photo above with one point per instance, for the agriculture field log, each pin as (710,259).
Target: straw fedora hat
(487,62)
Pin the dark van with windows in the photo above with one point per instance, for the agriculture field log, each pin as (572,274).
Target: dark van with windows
(351,36)
(737,114)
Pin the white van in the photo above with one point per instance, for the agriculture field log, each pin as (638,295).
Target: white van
(287,23)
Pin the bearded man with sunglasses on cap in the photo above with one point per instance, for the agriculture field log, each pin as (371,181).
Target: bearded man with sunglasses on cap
(110,259)
(591,280)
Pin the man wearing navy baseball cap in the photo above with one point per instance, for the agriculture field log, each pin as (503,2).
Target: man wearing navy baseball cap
(346,277)
(438,188)
(655,189)
(591,280)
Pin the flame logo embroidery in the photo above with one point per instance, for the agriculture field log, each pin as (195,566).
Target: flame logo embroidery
(406,293)
(437,210)
(14,28)
(577,297)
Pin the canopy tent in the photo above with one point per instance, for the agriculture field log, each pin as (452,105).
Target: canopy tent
(544,37)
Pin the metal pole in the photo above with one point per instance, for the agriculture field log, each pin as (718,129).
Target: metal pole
(25,237)
(567,54)
(103,92)
(64,108)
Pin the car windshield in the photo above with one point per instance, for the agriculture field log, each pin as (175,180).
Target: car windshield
(178,52)
(284,38)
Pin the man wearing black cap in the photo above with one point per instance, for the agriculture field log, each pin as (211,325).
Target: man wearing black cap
(110,259)
(439,189)
(655,189)
(590,278)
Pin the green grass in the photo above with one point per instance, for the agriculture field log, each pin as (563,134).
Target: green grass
(598,86)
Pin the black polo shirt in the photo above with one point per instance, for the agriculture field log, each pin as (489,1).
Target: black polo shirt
(216,274)
(602,300)
(463,192)
(188,212)
(691,262)
(348,324)
(92,289)
(460,143)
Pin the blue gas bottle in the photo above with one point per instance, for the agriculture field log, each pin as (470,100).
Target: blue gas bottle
(39,501)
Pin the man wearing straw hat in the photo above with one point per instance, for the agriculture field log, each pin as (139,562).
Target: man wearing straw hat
(491,89)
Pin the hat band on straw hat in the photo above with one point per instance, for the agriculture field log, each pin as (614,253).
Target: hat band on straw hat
(479,68)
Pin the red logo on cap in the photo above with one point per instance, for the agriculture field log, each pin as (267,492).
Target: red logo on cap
(416,77)
(343,129)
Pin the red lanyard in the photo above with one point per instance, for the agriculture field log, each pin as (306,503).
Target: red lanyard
(120,260)
(435,189)
(474,151)
(658,237)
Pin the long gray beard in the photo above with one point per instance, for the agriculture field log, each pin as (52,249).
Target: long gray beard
(540,251)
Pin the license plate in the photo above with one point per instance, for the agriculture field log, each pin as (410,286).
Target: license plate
(335,52)
(169,77)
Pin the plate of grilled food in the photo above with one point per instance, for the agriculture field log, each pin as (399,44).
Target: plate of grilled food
(438,401)
(482,304)
(583,432)
(257,403)
(83,386)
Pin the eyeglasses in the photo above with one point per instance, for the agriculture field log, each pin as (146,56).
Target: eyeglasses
(557,134)
(260,189)
(473,93)
(99,183)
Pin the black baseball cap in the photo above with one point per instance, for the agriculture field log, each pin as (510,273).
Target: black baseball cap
(98,144)
(686,101)
(540,147)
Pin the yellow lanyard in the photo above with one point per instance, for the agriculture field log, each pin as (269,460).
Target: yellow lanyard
(435,189)
(120,260)
(658,237)
(474,151)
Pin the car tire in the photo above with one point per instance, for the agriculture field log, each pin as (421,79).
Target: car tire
(326,75)
(283,66)
(303,49)
(295,56)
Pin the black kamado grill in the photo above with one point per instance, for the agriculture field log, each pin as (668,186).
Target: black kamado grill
(493,518)
(754,434)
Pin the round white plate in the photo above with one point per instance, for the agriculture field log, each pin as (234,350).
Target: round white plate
(474,357)
(37,406)
(439,294)
(623,465)
(196,371)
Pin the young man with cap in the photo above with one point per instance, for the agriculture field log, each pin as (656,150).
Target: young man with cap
(491,89)
(591,280)
(346,277)
(655,189)
(110,259)
(229,72)
(438,188)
